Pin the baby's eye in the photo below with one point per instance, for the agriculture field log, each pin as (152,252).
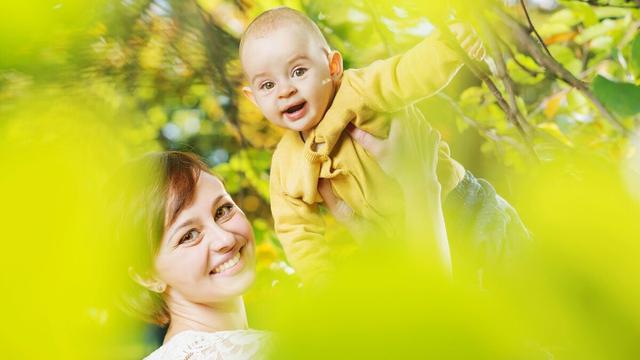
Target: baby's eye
(268,85)
(189,236)
(299,72)
(223,211)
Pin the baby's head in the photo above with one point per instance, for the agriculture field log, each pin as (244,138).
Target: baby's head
(292,73)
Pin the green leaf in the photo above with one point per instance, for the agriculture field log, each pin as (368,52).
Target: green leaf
(461,124)
(605,12)
(600,29)
(635,52)
(549,29)
(584,11)
(554,131)
(621,98)
(521,76)
(564,16)
(566,57)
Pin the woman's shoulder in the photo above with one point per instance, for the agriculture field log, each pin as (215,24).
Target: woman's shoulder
(199,345)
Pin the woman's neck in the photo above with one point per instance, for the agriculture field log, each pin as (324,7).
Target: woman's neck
(186,315)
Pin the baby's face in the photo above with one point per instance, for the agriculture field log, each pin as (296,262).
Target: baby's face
(289,77)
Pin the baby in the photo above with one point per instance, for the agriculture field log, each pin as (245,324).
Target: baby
(299,84)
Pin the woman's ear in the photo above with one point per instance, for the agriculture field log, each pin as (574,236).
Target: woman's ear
(335,65)
(150,282)
(246,90)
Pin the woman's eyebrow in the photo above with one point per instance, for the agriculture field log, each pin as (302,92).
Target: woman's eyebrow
(218,199)
(178,227)
(191,220)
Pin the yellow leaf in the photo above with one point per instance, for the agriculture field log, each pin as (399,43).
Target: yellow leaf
(208,5)
(553,130)
(553,104)
(266,254)
(561,37)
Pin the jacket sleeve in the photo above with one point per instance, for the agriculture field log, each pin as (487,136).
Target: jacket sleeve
(388,85)
(367,95)
(301,231)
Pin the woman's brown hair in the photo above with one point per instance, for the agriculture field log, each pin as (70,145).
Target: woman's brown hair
(145,197)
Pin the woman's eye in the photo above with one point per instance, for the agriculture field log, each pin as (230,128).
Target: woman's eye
(189,236)
(299,72)
(223,211)
(267,85)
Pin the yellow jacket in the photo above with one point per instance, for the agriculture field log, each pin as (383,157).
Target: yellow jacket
(366,97)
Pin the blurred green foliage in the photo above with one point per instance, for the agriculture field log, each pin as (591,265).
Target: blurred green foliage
(164,74)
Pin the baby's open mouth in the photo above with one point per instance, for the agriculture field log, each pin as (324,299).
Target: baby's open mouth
(294,108)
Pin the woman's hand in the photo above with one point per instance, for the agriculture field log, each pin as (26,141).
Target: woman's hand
(410,156)
(380,149)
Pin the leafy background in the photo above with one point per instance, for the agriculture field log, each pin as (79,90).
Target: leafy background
(561,82)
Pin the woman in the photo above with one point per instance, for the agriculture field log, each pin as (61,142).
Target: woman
(197,254)
(195,263)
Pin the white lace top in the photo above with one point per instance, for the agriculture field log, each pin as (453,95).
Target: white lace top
(219,345)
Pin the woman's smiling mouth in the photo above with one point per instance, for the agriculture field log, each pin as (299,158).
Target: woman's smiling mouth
(296,112)
(230,266)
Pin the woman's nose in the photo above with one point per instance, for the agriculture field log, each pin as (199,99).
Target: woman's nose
(222,241)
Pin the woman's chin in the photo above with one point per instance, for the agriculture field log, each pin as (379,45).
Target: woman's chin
(235,286)
(237,280)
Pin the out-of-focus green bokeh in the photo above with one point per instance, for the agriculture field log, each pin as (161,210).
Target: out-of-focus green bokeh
(85,86)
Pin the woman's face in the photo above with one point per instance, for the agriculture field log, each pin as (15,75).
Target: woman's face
(207,254)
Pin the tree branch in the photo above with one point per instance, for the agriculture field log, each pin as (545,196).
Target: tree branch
(486,132)
(526,69)
(503,75)
(373,12)
(548,62)
(214,41)
(629,5)
(533,28)
(482,75)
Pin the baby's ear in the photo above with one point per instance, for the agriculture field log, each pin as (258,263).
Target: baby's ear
(335,64)
(246,90)
(150,282)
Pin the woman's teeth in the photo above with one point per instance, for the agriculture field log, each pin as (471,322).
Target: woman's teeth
(228,264)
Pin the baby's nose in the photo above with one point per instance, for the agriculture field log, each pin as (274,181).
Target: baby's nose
(287,90)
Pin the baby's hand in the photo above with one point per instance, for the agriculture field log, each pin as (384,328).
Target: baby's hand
(468,40)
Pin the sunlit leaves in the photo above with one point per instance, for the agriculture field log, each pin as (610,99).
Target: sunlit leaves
(553,103)
(583,11)
(209,5)
(167,72)
(554,131)
(567,57)
(58,149)
(247,168)
(524,70)
(603,28)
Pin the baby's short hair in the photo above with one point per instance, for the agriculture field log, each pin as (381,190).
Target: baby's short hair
(273,19)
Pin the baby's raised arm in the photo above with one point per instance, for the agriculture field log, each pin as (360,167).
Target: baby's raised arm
(388,85)
(366,95)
